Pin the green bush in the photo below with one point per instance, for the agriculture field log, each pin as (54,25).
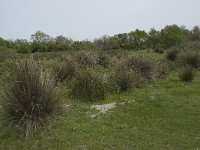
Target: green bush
(86,58)
(64,70)
(89,85)
(161,70)
(138,70)
(103,60)
(189,57)
(142,65)
(126,79)
(186,74)
(172,54)
(159,50)
(30,100)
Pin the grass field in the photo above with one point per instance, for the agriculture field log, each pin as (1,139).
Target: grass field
(164,115)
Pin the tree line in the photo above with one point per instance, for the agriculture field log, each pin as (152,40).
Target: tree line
(169,36)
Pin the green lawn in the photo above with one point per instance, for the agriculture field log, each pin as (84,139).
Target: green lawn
(165,115)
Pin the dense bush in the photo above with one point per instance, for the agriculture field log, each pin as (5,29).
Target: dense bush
(186,74)
(142,65)
(126,78)
(161,70)
(30,100)
(189,57)
(159,50)
(103,60)
(138,70)
(86,58)
(89,85)
(64,70)
(172,54)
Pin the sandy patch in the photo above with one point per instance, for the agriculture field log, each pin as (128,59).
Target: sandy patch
(104,108)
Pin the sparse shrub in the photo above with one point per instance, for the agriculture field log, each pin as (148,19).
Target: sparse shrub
(30,100)
(126,79)
(138,70)
(142,65)
(86,58)
(89,85)
(159,50)
(103,60)
(186,74)
(189,57)
(64,70)
(172,54)
(161,70)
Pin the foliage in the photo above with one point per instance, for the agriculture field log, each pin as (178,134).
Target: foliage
(169,36)
(138,70)
(103,60)
(40,37)
(64,70)
(154,38)
(86,58)
(138,39)
(189,57)
(142,65)
(89,85)
(186,73)
(172,53)
(126,78)
(172,35)
(30,99)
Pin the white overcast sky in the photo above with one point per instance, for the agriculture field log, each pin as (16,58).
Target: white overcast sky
(87,19)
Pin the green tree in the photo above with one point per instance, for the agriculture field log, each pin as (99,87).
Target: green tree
(138,39)
(172,35)
(153,40)
(40,37)
(195,34)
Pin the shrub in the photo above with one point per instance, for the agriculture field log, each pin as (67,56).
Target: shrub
(142,65)
(159,50)
(64,70)
(89,85)
(186,74)
(189,57)
(172,54)
(161,70)
(138,70)
(126,79)
(103,60)
(30,100)
(86,58)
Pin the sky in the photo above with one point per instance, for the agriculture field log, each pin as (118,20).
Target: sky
(89,19)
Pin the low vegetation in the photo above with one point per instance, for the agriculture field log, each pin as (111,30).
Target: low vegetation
(189,57)
(89,85)
(172,54)
(30,100)
(64,70)
(152,78)
(186,73)
(136,71)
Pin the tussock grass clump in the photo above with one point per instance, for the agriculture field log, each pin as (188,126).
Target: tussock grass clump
(186,74)
(142,65)
(64,70)
(89,85)
(86,59)
(126,79)
(172,54)
(189,57)
(161,70)
(136,71)
(159,50)
(30,99)
(103,60)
